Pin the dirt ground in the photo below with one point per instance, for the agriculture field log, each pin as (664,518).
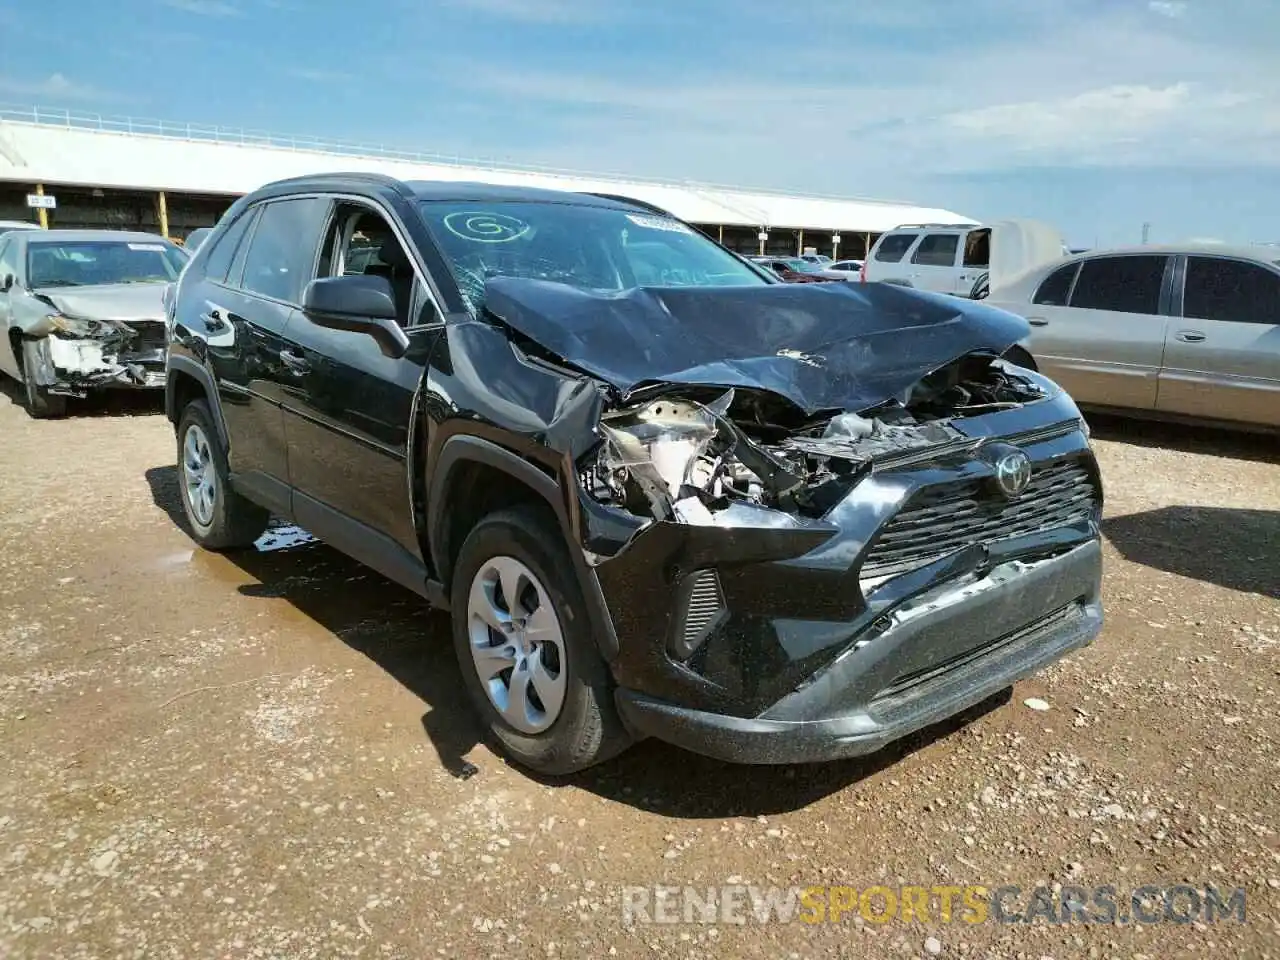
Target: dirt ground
(268,755)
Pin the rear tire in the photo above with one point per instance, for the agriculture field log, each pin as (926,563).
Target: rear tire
(536,678)
(220,519)
(41,404)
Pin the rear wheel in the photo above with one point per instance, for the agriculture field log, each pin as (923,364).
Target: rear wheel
(41,404)
(525,649)
(220,518)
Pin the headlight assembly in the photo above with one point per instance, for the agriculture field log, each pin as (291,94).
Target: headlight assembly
(74,326)
(670,450)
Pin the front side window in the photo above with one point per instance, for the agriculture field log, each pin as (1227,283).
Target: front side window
(937,250)
(590,247)
(1232,290)
(84,263)
(361,242)
(283,248)
(1129,284)
(1056,287)
(893,246)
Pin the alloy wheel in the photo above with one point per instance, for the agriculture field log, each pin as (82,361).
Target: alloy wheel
(200,478)
(517,644)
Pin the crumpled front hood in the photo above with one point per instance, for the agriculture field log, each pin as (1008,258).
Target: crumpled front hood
(824,346)
(116,301)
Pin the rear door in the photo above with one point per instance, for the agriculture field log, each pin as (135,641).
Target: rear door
(1106,344)
(348,407)
(1222,357)
(935,261)
(247,298)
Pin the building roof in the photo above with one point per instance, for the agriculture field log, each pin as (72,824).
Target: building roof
(91,150)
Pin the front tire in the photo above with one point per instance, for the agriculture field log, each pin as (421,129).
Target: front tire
(220,519)
(525,649)
(41,404)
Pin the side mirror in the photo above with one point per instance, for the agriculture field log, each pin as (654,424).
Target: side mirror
(358,304)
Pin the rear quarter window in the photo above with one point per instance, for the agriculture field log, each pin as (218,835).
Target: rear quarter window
(893,246)
(1055,289)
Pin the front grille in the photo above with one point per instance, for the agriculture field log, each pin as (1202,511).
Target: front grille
(941,519)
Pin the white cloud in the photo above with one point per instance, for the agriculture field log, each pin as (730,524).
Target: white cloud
(204,8)
(1168,8)
(1056,88)
(534,11)
(314,75)
(54,87)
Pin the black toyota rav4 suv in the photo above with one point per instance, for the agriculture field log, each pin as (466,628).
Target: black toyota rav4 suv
(661,493)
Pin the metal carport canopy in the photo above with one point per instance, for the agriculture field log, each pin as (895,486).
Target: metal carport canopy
(149,155)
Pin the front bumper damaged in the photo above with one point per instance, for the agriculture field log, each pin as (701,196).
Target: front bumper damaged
(970,642)
(73,366)
(770,637)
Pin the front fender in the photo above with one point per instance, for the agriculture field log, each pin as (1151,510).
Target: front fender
(461,449)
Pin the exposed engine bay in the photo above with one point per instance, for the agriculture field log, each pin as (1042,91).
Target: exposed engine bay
(685,452)
(78,354)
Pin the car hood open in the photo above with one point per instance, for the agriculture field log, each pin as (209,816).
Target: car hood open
(824,346)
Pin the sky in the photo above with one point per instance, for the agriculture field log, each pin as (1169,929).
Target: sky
(1096,115)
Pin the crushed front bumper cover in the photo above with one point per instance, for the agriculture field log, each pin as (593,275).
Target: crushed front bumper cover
(766,637)
(1013,622)
(74,366)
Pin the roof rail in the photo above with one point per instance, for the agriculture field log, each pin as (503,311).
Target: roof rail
(931,226)
(361,176)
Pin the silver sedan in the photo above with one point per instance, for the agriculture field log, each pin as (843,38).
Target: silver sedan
(1183,332)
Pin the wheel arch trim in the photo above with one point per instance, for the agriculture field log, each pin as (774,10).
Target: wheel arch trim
(462,449)
(186,366)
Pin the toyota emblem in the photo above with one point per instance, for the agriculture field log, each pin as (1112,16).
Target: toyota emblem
(1013,473)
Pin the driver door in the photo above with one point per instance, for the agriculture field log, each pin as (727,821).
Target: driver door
(348,407)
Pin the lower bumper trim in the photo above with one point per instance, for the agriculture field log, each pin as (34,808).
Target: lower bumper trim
(965,683)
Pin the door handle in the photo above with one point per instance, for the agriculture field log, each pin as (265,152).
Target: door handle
(296,362)
(1189,336)
(1038,322)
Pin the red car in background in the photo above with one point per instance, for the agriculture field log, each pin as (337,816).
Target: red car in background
(795,269)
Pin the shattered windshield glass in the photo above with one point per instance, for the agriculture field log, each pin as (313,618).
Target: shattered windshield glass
(589,247)
(83,263)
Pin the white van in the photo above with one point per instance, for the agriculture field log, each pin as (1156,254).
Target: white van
(956,258)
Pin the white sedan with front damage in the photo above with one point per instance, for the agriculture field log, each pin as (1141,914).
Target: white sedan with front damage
(82,310)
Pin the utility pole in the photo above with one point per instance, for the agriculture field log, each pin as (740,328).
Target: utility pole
(1146,232)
